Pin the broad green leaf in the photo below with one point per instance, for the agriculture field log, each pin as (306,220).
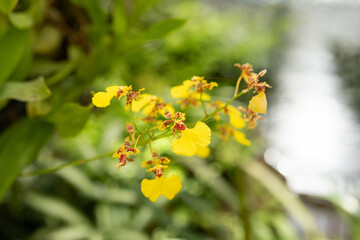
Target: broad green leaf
(161,29)
(69,118)
(287,199)
(23,67)
(21,20)
(20,145)
(31,91)
(56,208)
(3,25)
(6,6)
(12,46)
(72,232)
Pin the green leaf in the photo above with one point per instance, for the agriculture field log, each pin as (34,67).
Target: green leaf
(6,6)
(211,177)
(20,145)
(12,46)
(82,183)
(55,208)
(120,19)
(69,118)
(21,20)
(31,91)
(278,189)
(162,28)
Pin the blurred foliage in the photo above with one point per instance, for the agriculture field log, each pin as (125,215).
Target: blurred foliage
(54,53)
(347,62)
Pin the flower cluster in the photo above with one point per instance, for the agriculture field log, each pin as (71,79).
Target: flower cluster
(187,139)
(191,91)
(124,152)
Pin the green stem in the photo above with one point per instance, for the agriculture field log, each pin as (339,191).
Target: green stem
(209,116)
(237,85)
(83,161)
(133,119)
(54,169)
(150,138)
(202,104)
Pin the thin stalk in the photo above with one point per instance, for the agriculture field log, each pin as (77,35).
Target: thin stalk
(237,85)
(137,139)
(69,164)
(133,119)
(209,116)
(86,160)
(202,103)
(150,138)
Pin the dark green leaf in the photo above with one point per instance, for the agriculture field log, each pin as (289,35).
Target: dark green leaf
(70,118)
(12,46)
(31,91)
(161,29)
(20,145)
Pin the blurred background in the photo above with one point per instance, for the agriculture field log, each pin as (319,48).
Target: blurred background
(299,179)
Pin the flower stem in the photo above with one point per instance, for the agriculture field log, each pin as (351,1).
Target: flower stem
(83,161)
(69,164)
(237,85)
(150,142)
(133,119)
(202,103)
(209,116)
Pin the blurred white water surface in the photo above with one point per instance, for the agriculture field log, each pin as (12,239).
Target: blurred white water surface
(313,134)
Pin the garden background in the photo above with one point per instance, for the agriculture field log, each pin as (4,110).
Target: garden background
(299,179)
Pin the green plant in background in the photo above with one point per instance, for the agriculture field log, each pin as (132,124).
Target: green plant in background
(53,53)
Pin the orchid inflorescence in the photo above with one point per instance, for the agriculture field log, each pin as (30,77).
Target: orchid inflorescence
(166,122)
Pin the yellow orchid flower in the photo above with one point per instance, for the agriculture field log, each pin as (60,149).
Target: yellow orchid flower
(181,91)
(102,99)
(202,152)
(241,138)
(150,105)
(235,117)
(258,103)
(139,104)
(154,188)
(188,143)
